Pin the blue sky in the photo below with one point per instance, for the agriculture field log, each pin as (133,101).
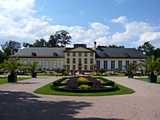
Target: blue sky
(121,22)
(82,12)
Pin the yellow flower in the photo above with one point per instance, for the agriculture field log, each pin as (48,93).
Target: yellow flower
(82,78)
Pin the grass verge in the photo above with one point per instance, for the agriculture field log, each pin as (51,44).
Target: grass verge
(48,90)
(3,80)
(145,78)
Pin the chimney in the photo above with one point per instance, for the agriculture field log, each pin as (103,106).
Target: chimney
(95,44)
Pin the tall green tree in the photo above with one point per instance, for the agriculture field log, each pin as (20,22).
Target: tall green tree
(59,39)
(63,37)
(53,41)
(38,43)
(2,56)
(157,53)
(147,48)
(10,47)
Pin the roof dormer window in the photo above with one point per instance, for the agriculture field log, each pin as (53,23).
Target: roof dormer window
(55,54)
(34,54)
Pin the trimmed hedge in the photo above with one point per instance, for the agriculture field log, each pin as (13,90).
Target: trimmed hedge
(107,86)
(114,88)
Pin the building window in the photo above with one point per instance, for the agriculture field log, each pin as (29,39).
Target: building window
(98,64)
(119,65)
(74,67)
(34,54)
(85,67)
(79,61)
(68,60)
(79,54)
(91,67)
(105,65)
(91,54)
(68,67)
(91,60)
(134,62)
(74,60)
(85,54)
(55,54)
(68,54)
(85,60)
(74,54)
(127,64)
(112,65)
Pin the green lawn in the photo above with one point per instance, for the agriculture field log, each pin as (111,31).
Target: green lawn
(48,90)
(3,79)
(145,78)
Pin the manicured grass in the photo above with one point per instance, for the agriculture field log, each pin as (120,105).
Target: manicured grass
(48,90)
(3,80)
(145,78)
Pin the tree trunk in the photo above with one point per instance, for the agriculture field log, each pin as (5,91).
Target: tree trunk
(12,77)
(34,75)
(130,75)
(153,77)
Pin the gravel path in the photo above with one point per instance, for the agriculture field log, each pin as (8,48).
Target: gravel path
(18,102)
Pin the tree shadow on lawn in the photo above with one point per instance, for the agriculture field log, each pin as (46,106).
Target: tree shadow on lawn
(25,106)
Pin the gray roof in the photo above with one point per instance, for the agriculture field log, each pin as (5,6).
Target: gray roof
(101,52)
(118,53)
(40,52)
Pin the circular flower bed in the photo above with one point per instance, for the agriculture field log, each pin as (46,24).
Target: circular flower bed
(84,84)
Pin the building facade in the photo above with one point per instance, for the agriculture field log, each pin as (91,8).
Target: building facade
(81,58)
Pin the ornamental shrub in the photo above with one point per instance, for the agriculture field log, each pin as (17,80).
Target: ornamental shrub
(72,83)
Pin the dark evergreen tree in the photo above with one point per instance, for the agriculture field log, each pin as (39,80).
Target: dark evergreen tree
(147,48)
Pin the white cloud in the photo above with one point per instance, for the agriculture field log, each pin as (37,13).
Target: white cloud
(18,21)
(133,31)
(153,37)
(136,32)
(89,34)
(120,19)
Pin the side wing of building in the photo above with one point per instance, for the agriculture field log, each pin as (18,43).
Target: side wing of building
(117,59)
(47,58)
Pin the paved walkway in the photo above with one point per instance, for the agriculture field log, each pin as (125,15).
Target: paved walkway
(18,102)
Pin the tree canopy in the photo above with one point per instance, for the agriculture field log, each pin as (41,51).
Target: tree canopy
(147,48)
(111,46)
(2,56)
(38,43)
(59,39)
(8,48)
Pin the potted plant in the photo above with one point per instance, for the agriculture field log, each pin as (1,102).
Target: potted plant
(11,65)
(33,68)
(132,68)
(152,66)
